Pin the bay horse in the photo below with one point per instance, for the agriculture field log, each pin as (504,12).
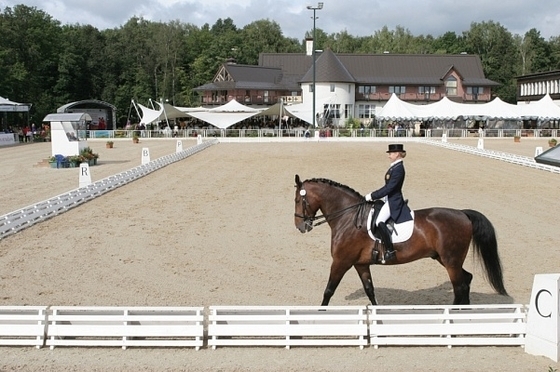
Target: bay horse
(443,234)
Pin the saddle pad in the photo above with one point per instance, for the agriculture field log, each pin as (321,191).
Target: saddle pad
(402,231)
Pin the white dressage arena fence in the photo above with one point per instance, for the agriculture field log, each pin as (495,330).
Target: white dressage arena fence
(18,220)
(287,326)
(497,155)
(23,325)
(469,325)
(536,327)
(125,326)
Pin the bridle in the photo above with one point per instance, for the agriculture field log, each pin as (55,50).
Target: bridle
(312,221)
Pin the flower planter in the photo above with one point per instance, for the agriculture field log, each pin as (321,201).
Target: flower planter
(53,164)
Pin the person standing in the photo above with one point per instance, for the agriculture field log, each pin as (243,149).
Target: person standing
(395,207)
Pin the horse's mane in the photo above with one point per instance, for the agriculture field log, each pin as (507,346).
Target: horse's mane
(335,184)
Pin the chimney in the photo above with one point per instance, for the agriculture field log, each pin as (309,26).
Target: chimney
(309,46)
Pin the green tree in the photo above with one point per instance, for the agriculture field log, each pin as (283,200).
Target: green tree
(496,48)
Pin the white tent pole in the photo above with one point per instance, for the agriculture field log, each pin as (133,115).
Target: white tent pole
(136,108)
(280,117)
(165,113)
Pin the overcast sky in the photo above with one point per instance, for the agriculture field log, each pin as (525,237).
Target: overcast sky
(357,17)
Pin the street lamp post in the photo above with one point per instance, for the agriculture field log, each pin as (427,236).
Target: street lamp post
(314,8)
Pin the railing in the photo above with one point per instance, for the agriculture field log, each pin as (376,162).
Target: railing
(328,132)
(285,326)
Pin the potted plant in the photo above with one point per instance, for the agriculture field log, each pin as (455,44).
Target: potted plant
(552,142)
(89,156)
(516,138)
(135,138)
(109,144)
(53,162)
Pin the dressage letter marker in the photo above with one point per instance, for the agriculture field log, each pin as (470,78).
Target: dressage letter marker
(85,176)
(145,155)
(543,320)
(179,147)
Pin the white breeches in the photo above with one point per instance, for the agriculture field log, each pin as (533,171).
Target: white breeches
(384,214)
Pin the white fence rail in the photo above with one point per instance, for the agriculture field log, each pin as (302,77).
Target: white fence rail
(287,326)
(15,221)
(23,325)
(498,155)
(124,327)
(448,325)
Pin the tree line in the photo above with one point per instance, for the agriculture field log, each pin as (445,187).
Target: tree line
(48,64)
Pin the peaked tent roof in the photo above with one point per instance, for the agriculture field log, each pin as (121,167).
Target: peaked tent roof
(396,109)
(149,115)
(7,105)
(545,108)
(496,109)
(276,110)
(233,106)
(226,115)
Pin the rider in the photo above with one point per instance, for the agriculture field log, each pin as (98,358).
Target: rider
(395,206)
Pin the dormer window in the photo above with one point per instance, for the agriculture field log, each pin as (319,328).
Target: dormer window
(451,86)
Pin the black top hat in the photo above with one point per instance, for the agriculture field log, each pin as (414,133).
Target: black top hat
(396,147)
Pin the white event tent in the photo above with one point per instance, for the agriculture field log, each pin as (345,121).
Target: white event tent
(445,109)
(10,106)
(226,115)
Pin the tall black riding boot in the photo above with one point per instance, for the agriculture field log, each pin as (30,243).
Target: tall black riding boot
(387,242)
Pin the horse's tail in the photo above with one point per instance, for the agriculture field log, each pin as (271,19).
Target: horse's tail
(486,247)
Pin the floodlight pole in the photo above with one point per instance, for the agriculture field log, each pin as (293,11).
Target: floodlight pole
(314,8)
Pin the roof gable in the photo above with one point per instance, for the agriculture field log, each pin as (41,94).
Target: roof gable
(329,69)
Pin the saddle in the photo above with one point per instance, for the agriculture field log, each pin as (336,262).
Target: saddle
(398,232)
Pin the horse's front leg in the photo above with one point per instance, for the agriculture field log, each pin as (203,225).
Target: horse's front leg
(365,276)
(338,270)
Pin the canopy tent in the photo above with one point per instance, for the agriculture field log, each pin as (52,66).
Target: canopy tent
(445,109)
(396,109)
(226,115)
(10,106)
(495,109)
(544,109)
(149,115)
(278,109)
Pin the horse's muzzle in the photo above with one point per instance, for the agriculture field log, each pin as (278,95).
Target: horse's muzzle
(304,226)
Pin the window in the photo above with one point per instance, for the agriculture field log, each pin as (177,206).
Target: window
(366,111)
(475,90)
(332,88)
(451,86)
(348,111)
(366,89)
(331,111)
(311,88)
(427,90)
(397,89)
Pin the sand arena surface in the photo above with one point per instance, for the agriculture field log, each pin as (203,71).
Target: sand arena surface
(217,229)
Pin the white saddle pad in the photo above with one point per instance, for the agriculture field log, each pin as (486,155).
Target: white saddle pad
(402,231)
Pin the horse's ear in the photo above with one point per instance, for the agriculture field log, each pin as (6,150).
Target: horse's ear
(298,181)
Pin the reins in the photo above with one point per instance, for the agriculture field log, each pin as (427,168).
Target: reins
(321,219)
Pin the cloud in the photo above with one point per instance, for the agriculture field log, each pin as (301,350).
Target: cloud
(357,17)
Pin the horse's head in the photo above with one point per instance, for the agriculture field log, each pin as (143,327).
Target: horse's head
(304,211)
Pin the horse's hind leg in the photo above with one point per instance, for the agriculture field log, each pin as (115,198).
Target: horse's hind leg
(461,280)
(365,276)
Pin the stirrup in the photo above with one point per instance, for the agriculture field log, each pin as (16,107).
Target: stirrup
(388,256)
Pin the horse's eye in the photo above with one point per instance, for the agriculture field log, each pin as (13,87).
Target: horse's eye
(302,192)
